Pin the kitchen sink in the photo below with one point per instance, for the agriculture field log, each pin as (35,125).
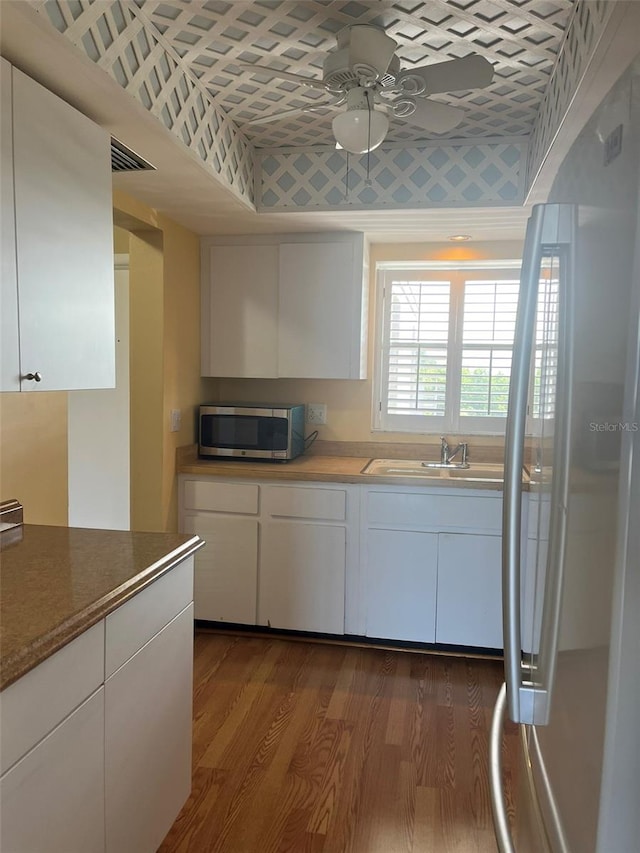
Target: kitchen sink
(417,469)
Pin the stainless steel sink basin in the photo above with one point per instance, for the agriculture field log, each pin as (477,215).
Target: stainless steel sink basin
(417,469)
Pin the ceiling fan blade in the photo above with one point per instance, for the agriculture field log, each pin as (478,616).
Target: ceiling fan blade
(294,112)
(433,116)
(265,71)
(472,72)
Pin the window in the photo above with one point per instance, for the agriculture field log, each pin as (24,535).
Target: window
(444,346)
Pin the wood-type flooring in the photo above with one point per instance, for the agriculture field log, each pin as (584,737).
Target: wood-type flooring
(316,748)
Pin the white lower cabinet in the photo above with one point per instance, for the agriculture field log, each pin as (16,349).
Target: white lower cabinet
(53,798)
(225,515)
(402,572)
(226,569)
(148,707)
(415,564)
(96,740)
(469,590)
(431,566)
(275,555)
(302,576)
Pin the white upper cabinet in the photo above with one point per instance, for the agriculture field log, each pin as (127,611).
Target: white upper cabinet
(284,306)
(62,281)
(319,316)
(9,353)
(239,312)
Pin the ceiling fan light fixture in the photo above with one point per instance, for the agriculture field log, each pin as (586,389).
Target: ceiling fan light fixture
(359,131)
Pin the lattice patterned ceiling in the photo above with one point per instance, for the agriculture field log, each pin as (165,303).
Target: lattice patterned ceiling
(521,38)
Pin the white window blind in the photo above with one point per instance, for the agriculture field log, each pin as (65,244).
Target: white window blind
(545,358)
(489,319)
(418,340)
(445,347)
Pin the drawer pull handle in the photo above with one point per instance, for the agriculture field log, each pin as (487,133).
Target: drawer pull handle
(37,376)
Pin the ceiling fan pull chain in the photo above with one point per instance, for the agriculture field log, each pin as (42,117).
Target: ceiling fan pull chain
(368,179)
(346,179)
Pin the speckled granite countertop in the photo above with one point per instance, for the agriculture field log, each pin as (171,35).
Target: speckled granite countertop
(58,581)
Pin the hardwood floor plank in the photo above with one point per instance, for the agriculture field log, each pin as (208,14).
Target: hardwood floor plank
(329,789)
(400,703)
(312,748)
(207,785)
(446,747)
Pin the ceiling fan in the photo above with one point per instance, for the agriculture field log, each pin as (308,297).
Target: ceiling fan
(363,74)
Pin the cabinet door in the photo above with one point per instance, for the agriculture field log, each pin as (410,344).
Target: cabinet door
(225,582)
(53,798)
(302,576)
(469,590)
(401,573)
(148,704)
(319,317)
(239,311)
(64,239)
(9,352)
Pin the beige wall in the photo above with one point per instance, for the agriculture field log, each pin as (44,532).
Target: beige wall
(33,454)
(164,276)
(146,378)
(349,402)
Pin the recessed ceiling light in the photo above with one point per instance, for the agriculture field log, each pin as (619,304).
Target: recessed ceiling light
(460,238)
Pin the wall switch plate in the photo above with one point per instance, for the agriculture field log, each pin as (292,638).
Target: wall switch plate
(176,420)
(316,413)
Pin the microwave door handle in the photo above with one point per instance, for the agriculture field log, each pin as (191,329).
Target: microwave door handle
(513,462)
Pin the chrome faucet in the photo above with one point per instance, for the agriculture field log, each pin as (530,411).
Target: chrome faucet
(447,456)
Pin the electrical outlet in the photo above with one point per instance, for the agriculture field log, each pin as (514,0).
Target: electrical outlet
(176,420)
(316,413)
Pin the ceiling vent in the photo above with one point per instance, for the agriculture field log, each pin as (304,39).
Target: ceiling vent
(123,159)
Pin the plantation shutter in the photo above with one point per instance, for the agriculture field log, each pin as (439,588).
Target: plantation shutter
(489,317)
(418,336)
(545,367)
(445,345)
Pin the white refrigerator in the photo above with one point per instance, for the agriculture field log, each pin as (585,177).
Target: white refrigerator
(571,560)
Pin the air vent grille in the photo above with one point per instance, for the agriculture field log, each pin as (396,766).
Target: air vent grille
(123,159)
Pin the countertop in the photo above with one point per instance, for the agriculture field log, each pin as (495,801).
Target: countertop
(324,469)
(58,581)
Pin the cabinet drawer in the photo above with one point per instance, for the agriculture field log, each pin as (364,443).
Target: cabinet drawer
(34,705)
(435,510)
(221,497)
(298,502)
(134,623)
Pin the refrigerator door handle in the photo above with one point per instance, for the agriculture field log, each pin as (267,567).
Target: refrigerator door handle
(498,806)
(517,695)
(550,231)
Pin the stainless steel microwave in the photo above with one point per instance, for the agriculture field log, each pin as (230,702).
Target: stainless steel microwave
(252,431)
